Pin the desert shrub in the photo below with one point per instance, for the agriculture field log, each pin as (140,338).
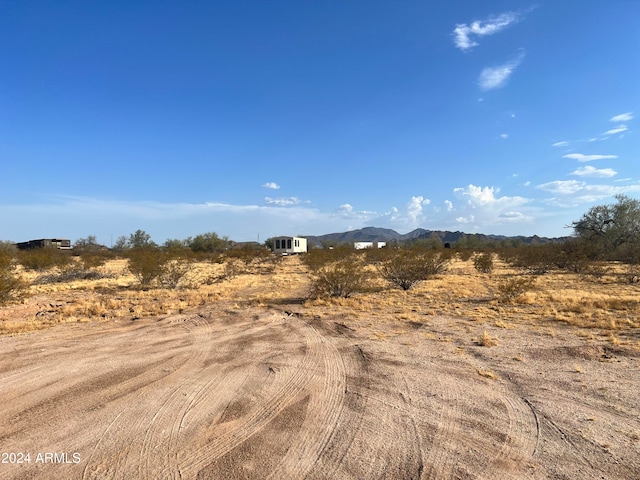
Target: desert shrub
(632,274)
(533,260)
(483,263)
(595,270)
(319,258)
(69,273)
(341,278)
(40,259)
(146,264)
(465,254)
(173,271)
(12,287)
(487,341)
(406,268)
(247,253)
(510,289)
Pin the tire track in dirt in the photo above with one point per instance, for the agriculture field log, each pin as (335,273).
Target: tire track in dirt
(522,436)
(122,437)
(350,422)
(439,460)
(231,434)
(324,408)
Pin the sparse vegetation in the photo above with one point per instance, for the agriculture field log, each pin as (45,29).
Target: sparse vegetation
(12,286)
(512,288)
(342,278)
(406,268)
(483,263)
(41,259)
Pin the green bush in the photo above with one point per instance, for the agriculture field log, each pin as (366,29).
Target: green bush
(12,287)
(483,263)
(406,268)
(147,264)
(341,278)
(318,258)
(40,259)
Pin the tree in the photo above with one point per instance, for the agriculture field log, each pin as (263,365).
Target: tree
(85,244)
(140,239)
(208,242)
(609,227)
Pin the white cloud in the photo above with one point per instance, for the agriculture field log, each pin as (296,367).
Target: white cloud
(272,185)
(560,144)
(497,77)
(486,209)
(589,171)
(618,129)
(562,187)
(464,35)
(486,196)
(449,205)
(282,201)
(504,135)
(588,158)
(623,117)
(347,211)
(574,192)
(465,220)
(414,209)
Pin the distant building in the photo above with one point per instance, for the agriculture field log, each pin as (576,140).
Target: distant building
(363,245)
(289,245)
(59,243)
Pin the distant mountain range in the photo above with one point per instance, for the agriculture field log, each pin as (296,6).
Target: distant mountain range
(372,234)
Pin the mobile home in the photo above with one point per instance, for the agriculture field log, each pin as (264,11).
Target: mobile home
(289,245)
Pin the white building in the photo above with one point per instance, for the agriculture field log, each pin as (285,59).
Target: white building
(288,245)
(363,245)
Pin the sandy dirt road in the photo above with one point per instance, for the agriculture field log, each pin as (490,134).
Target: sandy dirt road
(224,393)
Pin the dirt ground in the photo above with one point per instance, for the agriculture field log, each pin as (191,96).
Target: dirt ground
(228,392)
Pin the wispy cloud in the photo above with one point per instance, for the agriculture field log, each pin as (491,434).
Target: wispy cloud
(272,185)
(560,144)
(623,117)
(464,36)
(588,158)
(283,201)
(589,171)
(497,77)
(618,129)
(347,211)
(574,192)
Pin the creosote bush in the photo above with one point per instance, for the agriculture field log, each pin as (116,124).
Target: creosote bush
(509,290)
(483,263)
(40,259)
(406,268)
(341,278)
(12,287)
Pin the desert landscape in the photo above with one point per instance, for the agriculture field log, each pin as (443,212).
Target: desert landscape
(242,373)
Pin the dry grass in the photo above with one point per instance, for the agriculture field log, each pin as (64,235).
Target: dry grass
(606,307)
(487,374)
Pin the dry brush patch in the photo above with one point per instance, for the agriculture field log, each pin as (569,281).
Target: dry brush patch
(606,306)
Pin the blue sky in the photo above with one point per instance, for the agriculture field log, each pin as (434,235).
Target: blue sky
(254,118)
